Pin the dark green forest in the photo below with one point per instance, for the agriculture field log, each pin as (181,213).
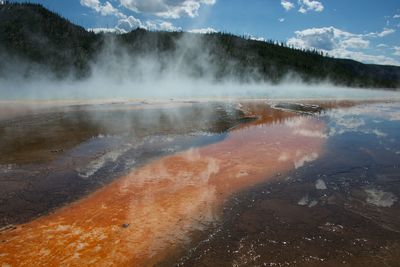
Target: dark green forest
(42,39)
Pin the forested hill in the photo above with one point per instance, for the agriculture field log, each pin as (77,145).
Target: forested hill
(39,38)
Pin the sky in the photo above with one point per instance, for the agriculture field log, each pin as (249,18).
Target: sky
(364,30)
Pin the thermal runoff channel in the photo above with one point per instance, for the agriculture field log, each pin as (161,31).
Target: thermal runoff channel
(144,214)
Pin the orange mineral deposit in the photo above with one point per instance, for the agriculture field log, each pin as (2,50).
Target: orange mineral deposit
(134,220)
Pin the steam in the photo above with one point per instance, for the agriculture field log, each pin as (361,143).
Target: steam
(188,71)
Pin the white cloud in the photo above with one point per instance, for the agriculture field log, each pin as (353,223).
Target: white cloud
(383,33)
(304,5)
(281,19)
(287,5)
(203,30)
(366,58)
(167,8)
(163,26)
(254,38)
(310,5)
(161,8)
(396,51)
(355,42)
(126,23)
(341,44)
(327,38)
(106,30)
(105,9)
(397,16)
(130,23)
(331,38)
(260,39)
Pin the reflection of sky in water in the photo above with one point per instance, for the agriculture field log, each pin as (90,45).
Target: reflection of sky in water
(157,205)
(367,137)
(342,209)
(377,122)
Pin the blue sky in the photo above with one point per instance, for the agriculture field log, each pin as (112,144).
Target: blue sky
(365,30)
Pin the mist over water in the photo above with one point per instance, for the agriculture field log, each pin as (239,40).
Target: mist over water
(105,88)
(188,71)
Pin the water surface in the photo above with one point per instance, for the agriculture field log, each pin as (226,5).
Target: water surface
(231,184)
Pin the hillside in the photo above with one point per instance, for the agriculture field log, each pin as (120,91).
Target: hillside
(34,34)
(42,39)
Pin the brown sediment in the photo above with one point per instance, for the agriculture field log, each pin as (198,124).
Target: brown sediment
(134,220)
(14,109)
(43,136)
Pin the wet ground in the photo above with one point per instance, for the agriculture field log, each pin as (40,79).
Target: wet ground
(56,155)
(340,210)
(220,184)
